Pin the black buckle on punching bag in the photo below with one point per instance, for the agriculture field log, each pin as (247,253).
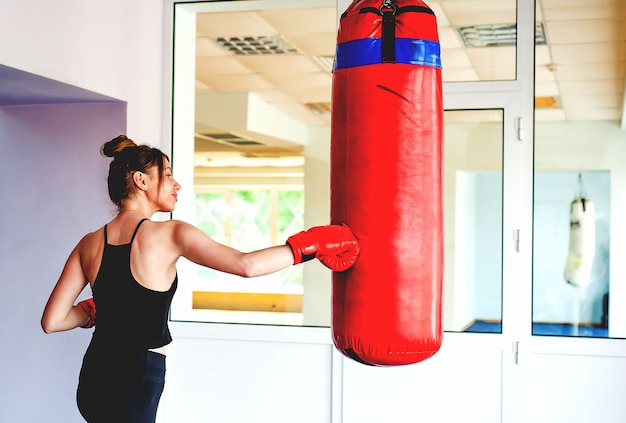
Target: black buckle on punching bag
(388,11)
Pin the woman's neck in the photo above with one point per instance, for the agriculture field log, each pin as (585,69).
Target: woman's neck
(134,209)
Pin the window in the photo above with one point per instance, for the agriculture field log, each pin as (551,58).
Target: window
(473,220)
(249,220)
(243,101)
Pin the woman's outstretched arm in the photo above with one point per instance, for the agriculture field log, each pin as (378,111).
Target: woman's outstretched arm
(196,246)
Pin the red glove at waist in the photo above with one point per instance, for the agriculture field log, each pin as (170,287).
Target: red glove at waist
(90,309)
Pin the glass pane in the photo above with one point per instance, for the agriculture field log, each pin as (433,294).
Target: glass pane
(579,178)
(571,256)
(473,220)
(478,39)
(249,220)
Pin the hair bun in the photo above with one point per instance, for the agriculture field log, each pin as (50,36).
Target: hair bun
(117,145)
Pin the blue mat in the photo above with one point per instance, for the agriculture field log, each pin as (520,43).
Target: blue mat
(546,329)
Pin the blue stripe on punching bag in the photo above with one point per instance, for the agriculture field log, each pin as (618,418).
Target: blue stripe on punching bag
(368,51)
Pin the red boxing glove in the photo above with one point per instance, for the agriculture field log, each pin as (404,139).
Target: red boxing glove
(90,309)
(333,245)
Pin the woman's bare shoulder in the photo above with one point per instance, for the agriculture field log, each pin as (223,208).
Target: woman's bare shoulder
(172,225)
(90,238)
(91,244)
(168,229)
(179,231)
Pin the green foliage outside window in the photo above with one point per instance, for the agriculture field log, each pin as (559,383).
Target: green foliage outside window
(252,219)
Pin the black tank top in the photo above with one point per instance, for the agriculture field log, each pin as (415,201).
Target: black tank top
(127,313)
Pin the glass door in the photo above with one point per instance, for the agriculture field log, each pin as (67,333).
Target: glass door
(577,280)
(577,353)
(487,230)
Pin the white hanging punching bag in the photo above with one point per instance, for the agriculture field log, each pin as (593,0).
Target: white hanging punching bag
(582,240)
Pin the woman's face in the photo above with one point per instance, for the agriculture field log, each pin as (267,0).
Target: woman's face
(167,195)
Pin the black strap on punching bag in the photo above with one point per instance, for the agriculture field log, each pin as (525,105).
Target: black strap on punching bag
(388,10)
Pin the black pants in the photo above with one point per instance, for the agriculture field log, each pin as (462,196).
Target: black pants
(120,387)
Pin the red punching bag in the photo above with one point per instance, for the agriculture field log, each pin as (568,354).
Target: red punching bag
(386,181)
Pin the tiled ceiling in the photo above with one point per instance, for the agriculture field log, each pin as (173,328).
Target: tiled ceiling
(580,68)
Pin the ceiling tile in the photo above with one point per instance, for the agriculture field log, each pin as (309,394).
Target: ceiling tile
(301,20)
(279,63)
(299,79)
(440,15)
(463,12)
(588,53)
(219,65)
(546,89)
(544,74)
(590,72)
(232,24)
(605,86)
(583,32)
(234,83)
(449,38)
(205,47)
(581,9)
(492,56)
(591,101)
(315,44)
(454,58)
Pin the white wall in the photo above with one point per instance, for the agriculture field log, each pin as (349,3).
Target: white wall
(455,385)
(53,191)
(241,373)
(112,47)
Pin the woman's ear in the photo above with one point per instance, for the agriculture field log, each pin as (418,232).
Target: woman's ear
(138,178)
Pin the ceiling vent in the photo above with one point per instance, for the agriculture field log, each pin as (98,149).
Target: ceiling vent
(496,35)
(259,45)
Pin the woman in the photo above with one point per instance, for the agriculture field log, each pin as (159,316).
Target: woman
(130,264)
